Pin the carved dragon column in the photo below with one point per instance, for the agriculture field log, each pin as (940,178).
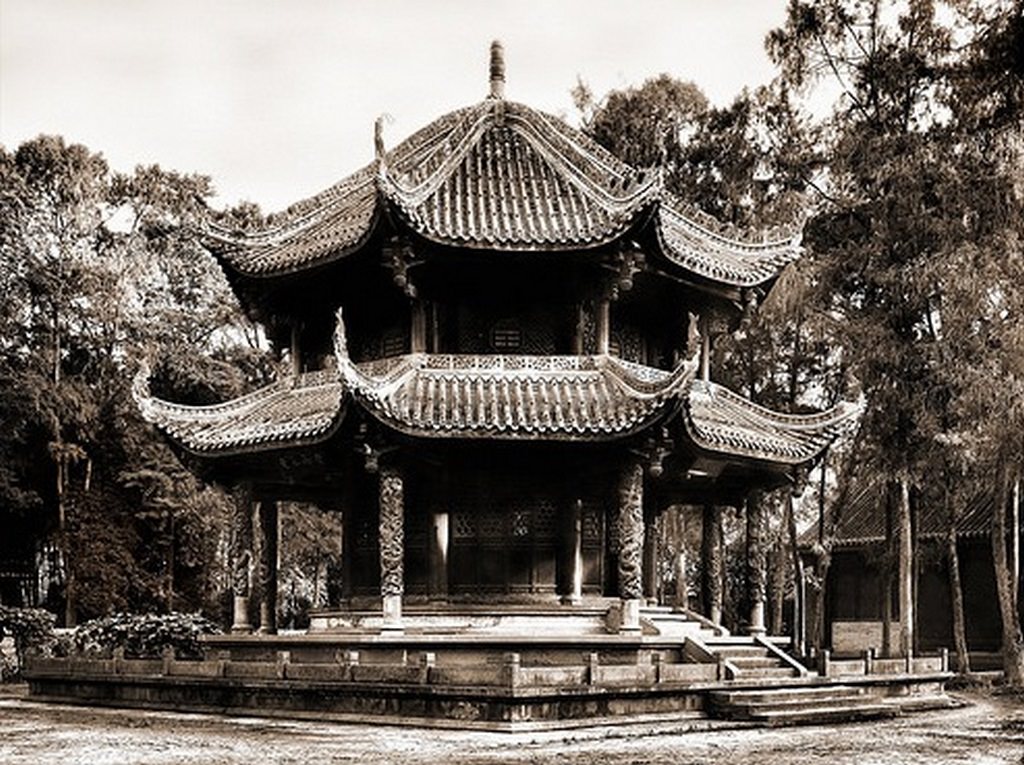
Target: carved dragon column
(711,555)
(241,556)
(268,547)
(392,546)
(630,527)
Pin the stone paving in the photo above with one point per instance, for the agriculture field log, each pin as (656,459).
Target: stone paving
(989,730)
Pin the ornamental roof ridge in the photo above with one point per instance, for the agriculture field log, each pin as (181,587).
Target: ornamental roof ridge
(756,237)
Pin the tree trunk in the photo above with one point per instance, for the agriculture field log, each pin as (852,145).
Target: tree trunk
(956,593)
(963,659)
(1012,641)
(906,569)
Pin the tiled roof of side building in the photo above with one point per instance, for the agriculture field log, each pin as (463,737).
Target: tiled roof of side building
(861,519)
(719,420)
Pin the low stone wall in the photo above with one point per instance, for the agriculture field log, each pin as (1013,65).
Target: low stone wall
(501,695)
(870,665)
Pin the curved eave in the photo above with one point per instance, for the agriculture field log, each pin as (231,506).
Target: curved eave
(286,414)
(523,398)
(690,241)
(721,422)
(318,231)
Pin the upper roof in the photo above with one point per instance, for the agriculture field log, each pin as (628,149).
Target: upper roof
(501,176)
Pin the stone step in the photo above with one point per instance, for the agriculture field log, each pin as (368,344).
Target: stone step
(755,662)
(767,672)
(831,714)
(750,710)
(787,694)
(738,651)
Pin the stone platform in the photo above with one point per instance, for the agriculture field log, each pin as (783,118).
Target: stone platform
(474,668)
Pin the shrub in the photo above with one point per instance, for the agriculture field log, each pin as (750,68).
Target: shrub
(145,636)
(31,628)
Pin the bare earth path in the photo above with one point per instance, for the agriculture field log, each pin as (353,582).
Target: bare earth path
(989,730)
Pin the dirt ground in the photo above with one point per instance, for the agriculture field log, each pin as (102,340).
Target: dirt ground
(988,730)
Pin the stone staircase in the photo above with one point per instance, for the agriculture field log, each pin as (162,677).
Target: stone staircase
(808,705)
(749,659)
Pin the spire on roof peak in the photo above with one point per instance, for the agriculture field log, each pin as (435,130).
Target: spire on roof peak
(497,70)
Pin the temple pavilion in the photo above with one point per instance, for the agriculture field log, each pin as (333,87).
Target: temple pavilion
(500,340)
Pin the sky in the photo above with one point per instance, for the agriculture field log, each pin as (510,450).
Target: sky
(277,100)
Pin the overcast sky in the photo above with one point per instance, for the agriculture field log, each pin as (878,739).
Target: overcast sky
(276,100)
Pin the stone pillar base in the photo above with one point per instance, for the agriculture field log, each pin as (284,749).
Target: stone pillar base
(757,626)
(630,615)
(392,610)
(240,617)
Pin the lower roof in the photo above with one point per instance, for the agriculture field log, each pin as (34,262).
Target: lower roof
(524,398)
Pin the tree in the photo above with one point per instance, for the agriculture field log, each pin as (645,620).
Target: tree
(97,270)
(915,192)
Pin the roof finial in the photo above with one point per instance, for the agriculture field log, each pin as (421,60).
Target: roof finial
(497,70)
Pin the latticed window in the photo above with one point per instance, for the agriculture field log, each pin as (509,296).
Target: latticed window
(506,337)
(394,343)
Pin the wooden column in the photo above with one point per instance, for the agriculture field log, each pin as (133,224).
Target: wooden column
(295,350)
(630,526)
(241,557)
(756,562)
(650,560)
(418,327)
(603,325)
(711,554)
(392,546)
(439,541)
(574,555)
(268,563)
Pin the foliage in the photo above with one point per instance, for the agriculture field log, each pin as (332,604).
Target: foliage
(145,636)
(98,271)
(31,628)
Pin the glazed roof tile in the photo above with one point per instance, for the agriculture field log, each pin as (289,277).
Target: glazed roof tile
(501,176)
(719,420)
(516,397)
(300,410)
(511,180)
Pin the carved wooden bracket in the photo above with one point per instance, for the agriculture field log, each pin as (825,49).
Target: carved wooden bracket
(398,257)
